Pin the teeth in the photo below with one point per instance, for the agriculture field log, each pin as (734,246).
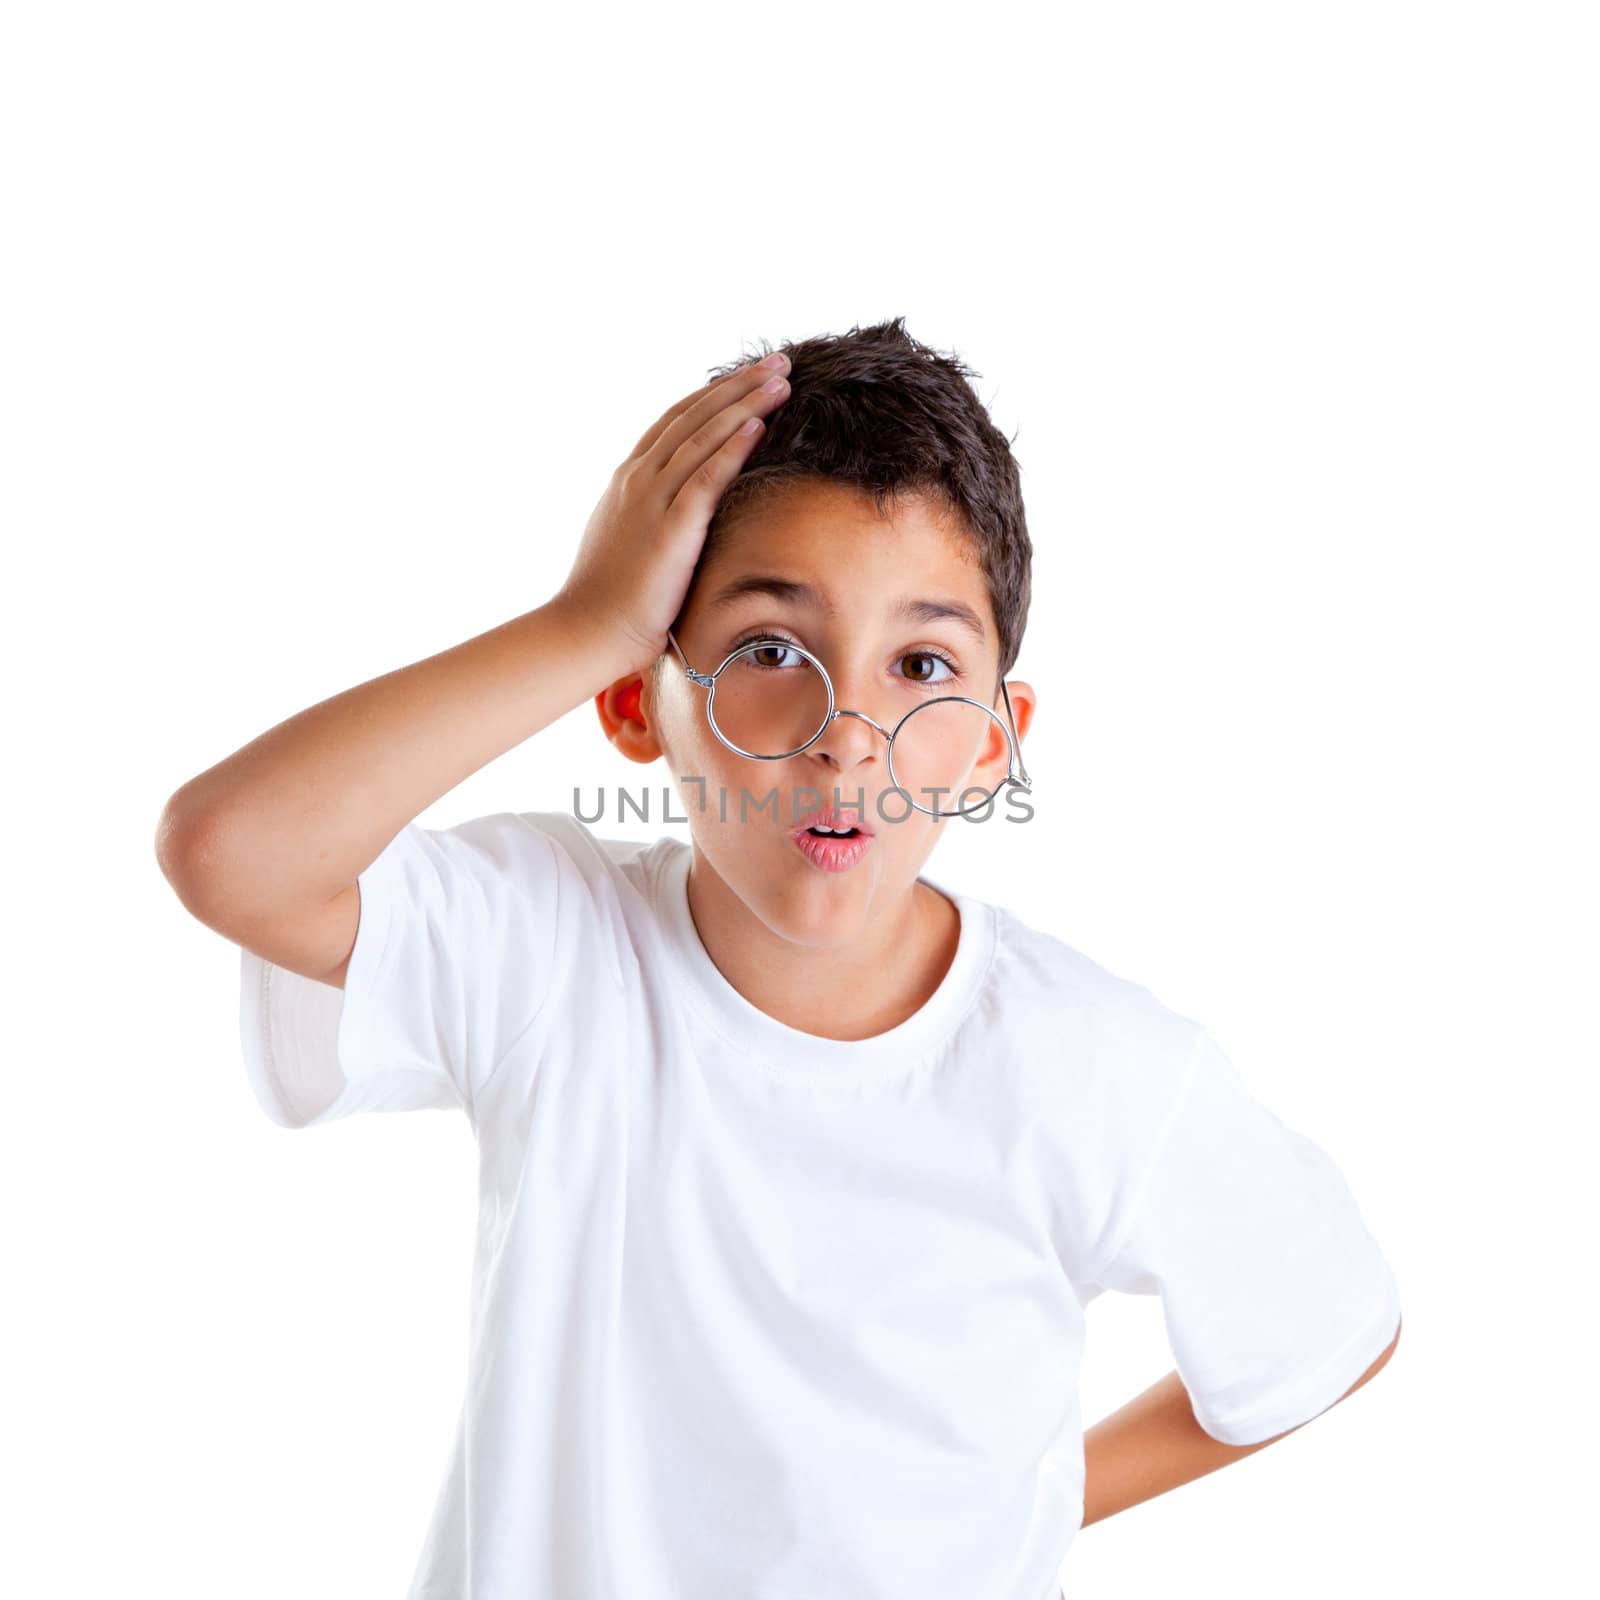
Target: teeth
(821,829)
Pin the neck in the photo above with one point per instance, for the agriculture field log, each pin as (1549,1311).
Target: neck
(846,992)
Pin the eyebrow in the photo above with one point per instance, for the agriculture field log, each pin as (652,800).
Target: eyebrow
(790,591)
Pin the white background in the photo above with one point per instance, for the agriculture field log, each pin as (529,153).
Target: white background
(323,329)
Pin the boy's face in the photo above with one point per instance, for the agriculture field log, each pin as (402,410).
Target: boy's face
(862,569)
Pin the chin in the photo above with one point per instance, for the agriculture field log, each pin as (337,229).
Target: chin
(812,907)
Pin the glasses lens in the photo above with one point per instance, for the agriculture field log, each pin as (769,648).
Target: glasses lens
(935,750)
(769,700)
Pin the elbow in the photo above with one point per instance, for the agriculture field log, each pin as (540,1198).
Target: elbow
(1378,1365)
(1388,1350)
(188,851)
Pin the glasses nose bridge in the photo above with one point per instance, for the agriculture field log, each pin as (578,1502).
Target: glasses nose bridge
(821,742)
(844,711)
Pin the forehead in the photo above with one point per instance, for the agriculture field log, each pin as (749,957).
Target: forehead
(824,548)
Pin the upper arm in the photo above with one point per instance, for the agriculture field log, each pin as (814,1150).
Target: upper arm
(316,942)
(1278,1300)
(407,989)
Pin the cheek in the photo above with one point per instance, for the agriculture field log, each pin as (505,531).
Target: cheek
(702,767)
(741,793)
(733,793)
(679,722)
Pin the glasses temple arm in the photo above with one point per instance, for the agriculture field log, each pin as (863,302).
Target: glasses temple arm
(1016,738)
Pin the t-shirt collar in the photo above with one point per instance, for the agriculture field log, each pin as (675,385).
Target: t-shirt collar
(771,1044)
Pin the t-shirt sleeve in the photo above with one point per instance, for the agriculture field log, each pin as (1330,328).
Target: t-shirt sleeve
(453,957)
(1275,1295)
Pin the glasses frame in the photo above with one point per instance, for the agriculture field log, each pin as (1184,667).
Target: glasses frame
(1016,773)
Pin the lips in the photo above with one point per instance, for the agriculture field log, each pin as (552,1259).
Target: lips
(834,817)
(832,852)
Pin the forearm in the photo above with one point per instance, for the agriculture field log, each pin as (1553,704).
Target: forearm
(295,815)
(1154,1444)
(1151,1445)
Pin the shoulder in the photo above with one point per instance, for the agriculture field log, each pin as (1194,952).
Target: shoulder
(534,849)
(1094,1015)
(1098,1062)
(547,872)
(585,904)
(1098,1059)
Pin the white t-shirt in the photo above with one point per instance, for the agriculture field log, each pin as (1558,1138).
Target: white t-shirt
(757,1313)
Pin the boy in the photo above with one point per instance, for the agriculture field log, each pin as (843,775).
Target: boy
(797,1168)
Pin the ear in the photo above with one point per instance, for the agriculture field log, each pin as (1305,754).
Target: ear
(992,761)
(624,714)
(1024,702)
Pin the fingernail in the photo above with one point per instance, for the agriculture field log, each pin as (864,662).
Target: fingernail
(776,359)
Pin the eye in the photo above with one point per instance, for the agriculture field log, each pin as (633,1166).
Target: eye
(773,649)
(927,664)
(925,668)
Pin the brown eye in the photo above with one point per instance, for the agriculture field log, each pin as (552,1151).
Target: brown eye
(765,652)
(926,667)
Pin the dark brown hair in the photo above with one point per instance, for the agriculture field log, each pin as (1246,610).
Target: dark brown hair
(875,409)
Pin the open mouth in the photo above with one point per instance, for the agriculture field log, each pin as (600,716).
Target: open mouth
(833,849)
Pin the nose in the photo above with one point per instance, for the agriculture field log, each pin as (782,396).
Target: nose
(850,740)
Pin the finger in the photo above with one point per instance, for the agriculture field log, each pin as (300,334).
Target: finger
(648,438)
(695,500)
(653,432)
(706,440)
(718,397)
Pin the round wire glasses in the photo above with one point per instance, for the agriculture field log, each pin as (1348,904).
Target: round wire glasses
(769,712)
